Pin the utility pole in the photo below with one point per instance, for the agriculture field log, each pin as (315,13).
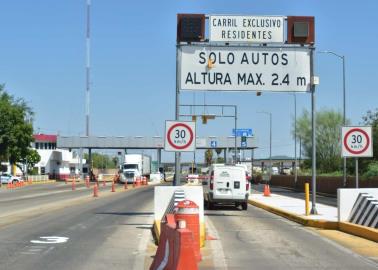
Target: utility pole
(88,49)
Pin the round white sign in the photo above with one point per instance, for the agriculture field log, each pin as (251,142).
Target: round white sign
(180,136)
(356,142)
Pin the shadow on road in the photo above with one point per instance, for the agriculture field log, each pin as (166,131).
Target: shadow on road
(145,214)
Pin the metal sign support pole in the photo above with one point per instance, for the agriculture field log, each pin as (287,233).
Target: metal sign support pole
(176,180)
(356,172)
(313,126)
(236,119)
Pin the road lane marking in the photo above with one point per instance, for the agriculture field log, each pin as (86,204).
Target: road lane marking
(50,240)
(219,261)
(143,244)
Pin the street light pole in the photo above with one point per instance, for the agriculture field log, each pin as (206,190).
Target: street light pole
(295,141)
(342,57)
(270,142)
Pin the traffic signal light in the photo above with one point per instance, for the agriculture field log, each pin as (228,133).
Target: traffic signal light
(243,139)
(190,27)
(204,119)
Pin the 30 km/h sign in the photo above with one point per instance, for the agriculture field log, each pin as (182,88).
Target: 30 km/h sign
(180,136)
(356,142)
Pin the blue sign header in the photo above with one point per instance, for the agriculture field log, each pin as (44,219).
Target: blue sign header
(242,132)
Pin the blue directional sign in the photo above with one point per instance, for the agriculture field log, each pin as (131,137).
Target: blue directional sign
(213,144)
(246,132)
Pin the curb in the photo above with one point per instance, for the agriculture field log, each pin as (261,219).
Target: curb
(321,224)
(350,228)
(358,230)
(38,182)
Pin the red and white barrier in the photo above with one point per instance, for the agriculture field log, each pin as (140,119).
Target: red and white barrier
(176,247)
(189,212)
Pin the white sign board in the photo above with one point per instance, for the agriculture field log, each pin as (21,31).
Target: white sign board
(251,29)
(180,136)
(245,68)
(356,142)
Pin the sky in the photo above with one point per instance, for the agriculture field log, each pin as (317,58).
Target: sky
(42,59)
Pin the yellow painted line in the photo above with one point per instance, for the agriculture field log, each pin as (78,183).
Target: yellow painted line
(359,245)
(358,230)
(361,231)
(157,229)
(40,182)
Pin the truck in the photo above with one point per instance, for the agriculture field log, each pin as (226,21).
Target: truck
(135,165)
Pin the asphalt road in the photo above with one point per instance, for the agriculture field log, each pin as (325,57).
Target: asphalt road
(256,239)
(105,233)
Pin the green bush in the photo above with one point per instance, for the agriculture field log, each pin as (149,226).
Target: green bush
(372,170)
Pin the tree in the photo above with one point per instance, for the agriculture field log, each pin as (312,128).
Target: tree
(208,157)
(31,159)
(328,148)
(16,129)
(102,161)
(370,119)
(218,151)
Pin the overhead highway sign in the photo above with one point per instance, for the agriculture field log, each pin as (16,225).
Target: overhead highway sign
(247,68)
(250,29)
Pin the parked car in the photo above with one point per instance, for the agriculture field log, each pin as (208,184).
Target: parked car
(227,184)
(8,178)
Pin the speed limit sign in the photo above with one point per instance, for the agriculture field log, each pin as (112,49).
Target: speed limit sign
(356,142)
(180,136)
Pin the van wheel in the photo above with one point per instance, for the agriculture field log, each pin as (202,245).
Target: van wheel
(206,204)
(210,205)
(244,205)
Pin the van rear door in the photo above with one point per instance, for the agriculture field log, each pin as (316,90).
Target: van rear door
(229,183)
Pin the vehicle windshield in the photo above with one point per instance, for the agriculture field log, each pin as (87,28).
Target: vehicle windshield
(130,166)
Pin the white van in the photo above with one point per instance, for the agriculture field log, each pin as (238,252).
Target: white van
(226,184)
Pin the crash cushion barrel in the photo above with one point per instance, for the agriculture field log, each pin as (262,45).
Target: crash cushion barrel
(162,197)
(175,250)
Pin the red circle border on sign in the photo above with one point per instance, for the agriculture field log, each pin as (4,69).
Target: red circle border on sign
(169,137)
(359,151)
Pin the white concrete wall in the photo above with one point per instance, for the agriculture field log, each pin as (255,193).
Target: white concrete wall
(164,194)
(346,197)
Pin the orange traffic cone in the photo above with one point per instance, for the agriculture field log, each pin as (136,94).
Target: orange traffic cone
(266,191)
(113,187)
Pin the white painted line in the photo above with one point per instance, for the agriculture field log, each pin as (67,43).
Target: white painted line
(219,260)
(142,247)
(50,240)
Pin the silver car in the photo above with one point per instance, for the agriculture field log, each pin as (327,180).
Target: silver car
(7,178)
